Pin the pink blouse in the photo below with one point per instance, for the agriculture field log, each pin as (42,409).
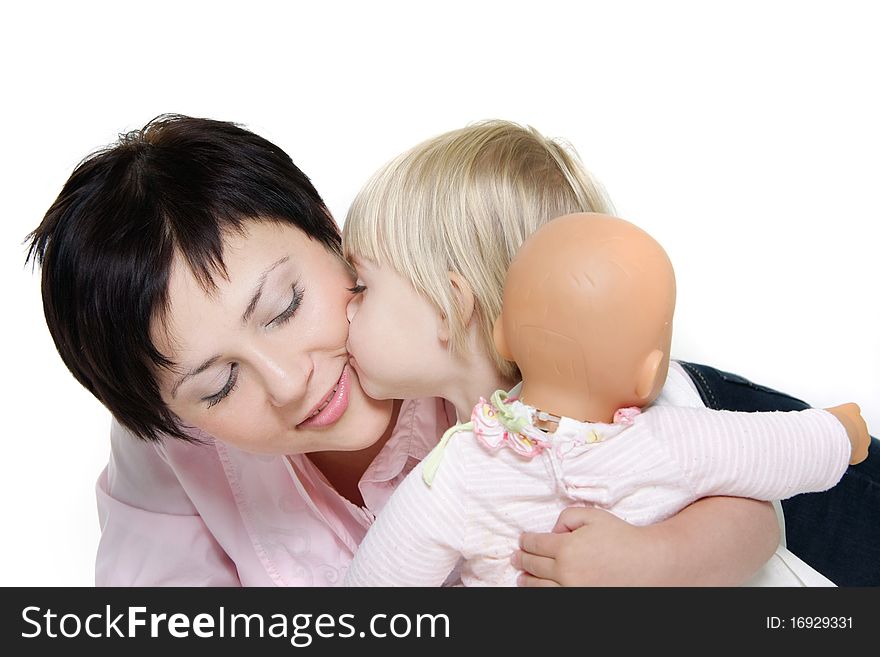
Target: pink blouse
(176,514)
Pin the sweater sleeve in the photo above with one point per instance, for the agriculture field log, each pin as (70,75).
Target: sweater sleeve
(417,538)
(766,456)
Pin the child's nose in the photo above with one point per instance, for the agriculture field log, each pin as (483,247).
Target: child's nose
(352,308)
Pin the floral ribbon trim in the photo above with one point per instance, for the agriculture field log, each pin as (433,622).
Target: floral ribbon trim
(498,424)
(495,424)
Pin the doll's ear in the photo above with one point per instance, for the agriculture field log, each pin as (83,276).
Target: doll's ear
(463,297)
(647,379)
(501,340)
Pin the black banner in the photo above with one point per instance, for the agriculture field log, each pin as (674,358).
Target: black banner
(327,621)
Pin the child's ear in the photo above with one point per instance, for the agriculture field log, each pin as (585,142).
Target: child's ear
(463,299)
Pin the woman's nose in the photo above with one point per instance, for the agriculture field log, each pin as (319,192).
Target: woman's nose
(286,375)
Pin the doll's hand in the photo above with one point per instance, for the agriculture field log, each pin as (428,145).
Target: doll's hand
(591,547)
(850,416)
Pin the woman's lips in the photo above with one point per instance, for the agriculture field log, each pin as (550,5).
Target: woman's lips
(334,408)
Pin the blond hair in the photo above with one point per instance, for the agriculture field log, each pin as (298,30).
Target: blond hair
(464,201)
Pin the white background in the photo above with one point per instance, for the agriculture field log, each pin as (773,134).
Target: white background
(744,138)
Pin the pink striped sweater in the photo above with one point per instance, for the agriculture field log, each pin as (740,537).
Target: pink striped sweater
(482,499)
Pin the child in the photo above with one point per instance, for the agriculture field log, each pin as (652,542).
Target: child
(435,230)
(432,235)
(589,443)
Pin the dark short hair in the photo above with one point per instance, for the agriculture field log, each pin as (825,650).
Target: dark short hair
(107,243)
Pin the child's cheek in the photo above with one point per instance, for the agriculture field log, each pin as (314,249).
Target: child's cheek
(358,343)
(361,351)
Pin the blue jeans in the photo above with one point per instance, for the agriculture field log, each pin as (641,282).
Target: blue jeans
(837,531)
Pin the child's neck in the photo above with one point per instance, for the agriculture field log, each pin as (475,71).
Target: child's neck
(471,380)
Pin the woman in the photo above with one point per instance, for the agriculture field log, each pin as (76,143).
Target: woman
(192,281)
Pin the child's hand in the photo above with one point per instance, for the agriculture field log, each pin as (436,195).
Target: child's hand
(850,416)
(716,541)
(591,547)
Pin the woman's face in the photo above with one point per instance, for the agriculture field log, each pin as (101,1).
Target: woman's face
(261,361)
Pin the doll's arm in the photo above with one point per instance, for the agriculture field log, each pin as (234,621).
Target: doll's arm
(416,539)
(716,541)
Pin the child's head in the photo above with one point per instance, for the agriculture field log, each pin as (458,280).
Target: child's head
(449,215)
(591,333)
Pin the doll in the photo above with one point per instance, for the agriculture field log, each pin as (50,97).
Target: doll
(587,316)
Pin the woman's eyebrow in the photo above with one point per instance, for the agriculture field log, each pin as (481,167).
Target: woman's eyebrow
(255,299)
(198,370)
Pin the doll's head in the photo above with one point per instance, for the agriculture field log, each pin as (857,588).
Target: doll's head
(587,316)
(447,217)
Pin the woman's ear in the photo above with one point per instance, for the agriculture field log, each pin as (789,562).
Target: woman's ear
(463,298)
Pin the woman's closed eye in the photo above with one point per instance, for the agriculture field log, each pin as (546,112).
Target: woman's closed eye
(278,320)
(228,387)
(357,289)
(291,309)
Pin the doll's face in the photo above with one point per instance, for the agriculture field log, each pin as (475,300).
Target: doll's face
(395,335)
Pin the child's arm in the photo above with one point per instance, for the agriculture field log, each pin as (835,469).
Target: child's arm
(416,539)
(716,541)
